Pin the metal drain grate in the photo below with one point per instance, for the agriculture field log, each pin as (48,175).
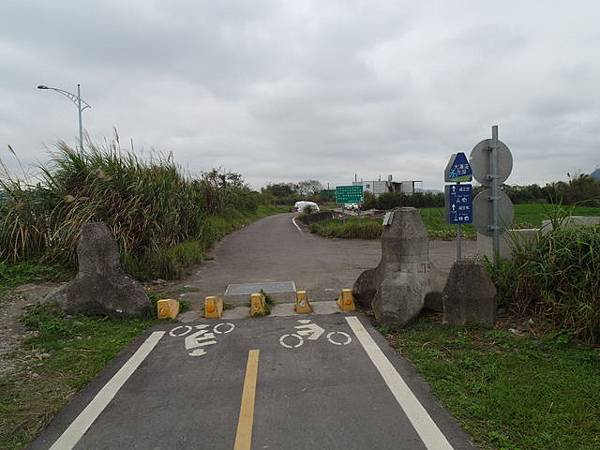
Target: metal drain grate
(269,288)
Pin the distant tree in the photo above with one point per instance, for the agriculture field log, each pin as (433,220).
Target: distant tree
(584,189)
(369,201)
(281,190)
(327,195)
(580,188)
(309,187)
(532,193)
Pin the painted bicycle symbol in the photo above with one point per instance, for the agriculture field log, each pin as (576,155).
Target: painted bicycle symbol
(201,338)
(312,332)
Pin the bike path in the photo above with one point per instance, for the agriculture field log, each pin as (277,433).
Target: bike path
(324,392)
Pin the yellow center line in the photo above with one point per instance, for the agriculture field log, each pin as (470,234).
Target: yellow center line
(243,437)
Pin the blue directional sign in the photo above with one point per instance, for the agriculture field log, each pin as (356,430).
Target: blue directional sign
(459,204)
(458,169)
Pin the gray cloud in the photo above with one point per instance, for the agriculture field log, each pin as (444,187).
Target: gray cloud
(282,91)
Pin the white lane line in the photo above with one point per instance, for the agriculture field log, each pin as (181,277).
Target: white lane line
(84,420)
(423,424)
(296,225)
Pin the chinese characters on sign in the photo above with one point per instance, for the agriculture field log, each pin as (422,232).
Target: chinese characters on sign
(349,194)
(458,169)
(459,204)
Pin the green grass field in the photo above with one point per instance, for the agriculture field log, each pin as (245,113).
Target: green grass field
(526,216)
(509,392)
(13,275)
(52,366)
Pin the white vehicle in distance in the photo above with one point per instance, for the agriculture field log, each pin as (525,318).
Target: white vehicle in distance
(301,205)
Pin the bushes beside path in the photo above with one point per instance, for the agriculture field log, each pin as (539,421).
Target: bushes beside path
(162,218)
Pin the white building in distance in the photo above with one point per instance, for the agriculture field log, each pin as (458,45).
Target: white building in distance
(378,187)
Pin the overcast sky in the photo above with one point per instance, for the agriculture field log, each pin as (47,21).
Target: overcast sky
(288,90)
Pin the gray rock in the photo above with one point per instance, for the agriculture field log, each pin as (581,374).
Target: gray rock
(396,288)
(470,295)
(101,286)
(365,288)
(437,282)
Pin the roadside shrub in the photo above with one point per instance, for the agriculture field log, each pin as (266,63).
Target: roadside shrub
(390,200)
(557,277)
(348,229)
(369,201)
(308,209)
(161,218)
(168,263)
(580,189)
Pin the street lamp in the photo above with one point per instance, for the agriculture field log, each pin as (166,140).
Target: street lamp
(81,105)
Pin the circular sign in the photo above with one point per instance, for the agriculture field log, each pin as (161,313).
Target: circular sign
(480,162)
(482,212)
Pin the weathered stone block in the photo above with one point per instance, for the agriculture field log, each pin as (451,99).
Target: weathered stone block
(470,295)
(396,288)
(365,288)
(101,286)
(437,282)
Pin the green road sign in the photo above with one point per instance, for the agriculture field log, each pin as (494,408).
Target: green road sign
(349,194)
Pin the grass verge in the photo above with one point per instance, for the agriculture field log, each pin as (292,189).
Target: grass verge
(526,216)
(170,263)
(508,391)
(350,228)
(13,275)
(63,354)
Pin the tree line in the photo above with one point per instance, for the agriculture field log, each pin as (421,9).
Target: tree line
(289,193)
(580,189)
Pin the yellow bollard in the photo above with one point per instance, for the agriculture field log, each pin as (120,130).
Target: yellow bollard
(302,305)
(258,306)
(346,301)
(167,308)
(213,307)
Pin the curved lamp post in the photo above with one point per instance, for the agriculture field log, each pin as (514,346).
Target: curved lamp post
(76,99)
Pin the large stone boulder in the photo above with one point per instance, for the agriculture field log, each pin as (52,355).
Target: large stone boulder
(101,286)
(437,282)
(395,290)
(470,295)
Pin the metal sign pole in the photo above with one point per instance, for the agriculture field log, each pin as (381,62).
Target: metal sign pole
(495,194)
(458,238)
(458,243)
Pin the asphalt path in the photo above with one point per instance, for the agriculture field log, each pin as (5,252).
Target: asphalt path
(300,382)
(274,249)
(325,393)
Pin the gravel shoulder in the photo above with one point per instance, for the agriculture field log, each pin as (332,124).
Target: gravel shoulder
(12,331)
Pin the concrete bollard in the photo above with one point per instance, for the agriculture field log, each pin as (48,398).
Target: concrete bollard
(213,307)
(101,286)
(395,290)
(167,308)
(346,301)
(469,296)
(302,305)
(258,305)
